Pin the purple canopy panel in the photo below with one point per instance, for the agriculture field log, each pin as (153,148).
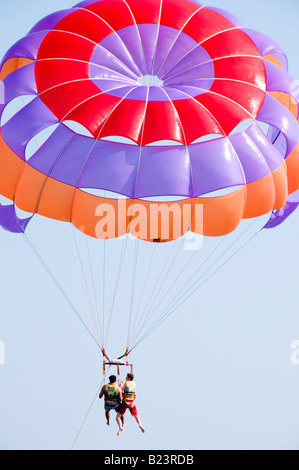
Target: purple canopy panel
(2,97)
(62,149)
(281,215)
(103,59)
(111,166)
(164,171)
(277,115)
(267,46)
(26,48)
(294,197)
(256,155)
(123,45)
(9,220)
(19,83)
(194,63)
(171,46)
(211,172)
(32,119)
(50,21)
(279,80)
(271,155)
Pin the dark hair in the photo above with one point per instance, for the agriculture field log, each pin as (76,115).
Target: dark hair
(130,376)
(112,379)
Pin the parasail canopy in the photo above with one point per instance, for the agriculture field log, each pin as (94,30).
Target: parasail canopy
(155,119)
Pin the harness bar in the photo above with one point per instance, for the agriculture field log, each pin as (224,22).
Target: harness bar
(115,362)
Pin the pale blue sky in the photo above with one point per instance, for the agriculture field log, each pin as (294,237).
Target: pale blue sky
(229,345)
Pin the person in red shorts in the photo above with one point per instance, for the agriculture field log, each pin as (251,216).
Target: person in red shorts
(129,396)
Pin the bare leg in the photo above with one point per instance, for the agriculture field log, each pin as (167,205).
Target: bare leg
(108,417)
(119,422)
(123,420)
(139,423)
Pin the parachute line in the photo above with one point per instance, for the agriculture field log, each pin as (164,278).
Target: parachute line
(43,263)
(146,279)
(184,297)
(89,410)
(122,255)
(64,275)
(79,273)
(104,287)
(133,289)
(84,282)
(177,278)
(150,311)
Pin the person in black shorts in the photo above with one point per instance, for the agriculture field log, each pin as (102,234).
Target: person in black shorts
(112,394)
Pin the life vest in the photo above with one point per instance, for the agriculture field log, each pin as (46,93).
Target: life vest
(129,391)
(111,395)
